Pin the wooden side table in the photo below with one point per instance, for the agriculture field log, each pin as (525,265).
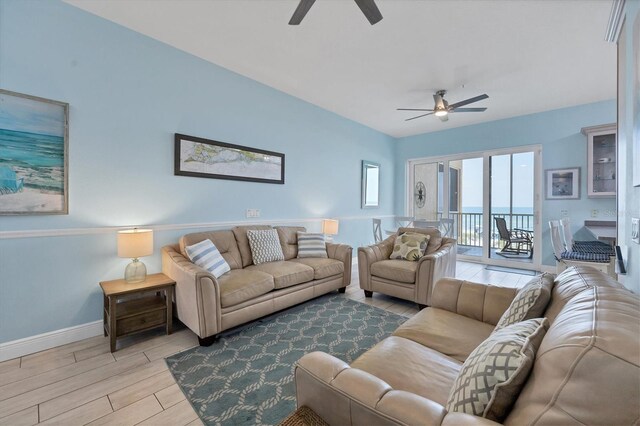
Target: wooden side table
(133,316)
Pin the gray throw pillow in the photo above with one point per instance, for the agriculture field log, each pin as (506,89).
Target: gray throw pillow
(530,302)
(311,245)
(493,375)
(265,246)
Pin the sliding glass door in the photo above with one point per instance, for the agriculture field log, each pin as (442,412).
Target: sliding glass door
(487,201)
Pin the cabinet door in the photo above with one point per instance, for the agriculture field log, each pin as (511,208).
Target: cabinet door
(601,162)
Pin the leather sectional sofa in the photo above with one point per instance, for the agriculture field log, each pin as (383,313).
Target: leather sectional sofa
(209,305)
(586,371)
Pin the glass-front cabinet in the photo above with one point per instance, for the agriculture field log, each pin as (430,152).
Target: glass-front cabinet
(601,160)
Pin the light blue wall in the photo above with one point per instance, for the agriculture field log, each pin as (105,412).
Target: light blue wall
(128,95)
(563,145)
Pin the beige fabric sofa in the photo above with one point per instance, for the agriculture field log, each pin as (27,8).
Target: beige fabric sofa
(587,370)
(209,305)
(403,278)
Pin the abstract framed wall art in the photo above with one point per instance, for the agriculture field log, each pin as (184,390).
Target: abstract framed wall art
(199,157)
(563,184)
(34,140)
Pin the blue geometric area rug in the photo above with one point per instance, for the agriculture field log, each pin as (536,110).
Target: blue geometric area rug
(246,378)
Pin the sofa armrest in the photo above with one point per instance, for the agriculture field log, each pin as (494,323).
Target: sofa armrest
(344,395)
(197,293)
(343,253)
(369,255)
(432,267)
(481,302)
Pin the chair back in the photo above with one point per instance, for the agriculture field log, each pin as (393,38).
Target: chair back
(446,225)
(501,224)
(404,221)
(556,238)
(567,235)
(377,230)
(8,179)
(426,224)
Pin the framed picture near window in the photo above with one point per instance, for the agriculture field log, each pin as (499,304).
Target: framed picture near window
(562,184)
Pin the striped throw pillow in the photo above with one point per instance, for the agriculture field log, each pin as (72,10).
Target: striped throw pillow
(207,256)
(311,245)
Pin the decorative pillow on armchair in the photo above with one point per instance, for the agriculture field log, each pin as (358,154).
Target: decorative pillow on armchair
(265,246)
(493,375)
(410,246)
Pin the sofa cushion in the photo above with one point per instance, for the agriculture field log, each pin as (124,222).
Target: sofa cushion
(410,246)
(322,268)
(492,377)
(241,285)
(395,270)
(530,302)
(409,366)
(206,255)
(289,240)
(265,246)
(311,245)
(446,332)
(224,241)
(435,240)
(285,273)
(240,234)
(587,370)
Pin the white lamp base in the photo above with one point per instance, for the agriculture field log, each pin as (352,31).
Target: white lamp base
(135,272)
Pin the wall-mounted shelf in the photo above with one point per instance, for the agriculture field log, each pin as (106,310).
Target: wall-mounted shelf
(601,160)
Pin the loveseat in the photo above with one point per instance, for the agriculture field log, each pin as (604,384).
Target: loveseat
(407,279)
(210,305)
(585,371)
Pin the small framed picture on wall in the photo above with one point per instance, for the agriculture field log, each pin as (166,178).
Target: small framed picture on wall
(562,184)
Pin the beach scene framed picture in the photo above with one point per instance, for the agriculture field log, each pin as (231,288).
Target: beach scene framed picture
(563,184)
(34,139)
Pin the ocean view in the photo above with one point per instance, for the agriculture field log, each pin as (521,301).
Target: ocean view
(39,159)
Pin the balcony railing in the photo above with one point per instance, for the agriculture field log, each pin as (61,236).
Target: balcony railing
(469,228)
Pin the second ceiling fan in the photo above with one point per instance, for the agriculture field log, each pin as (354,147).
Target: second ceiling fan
(442,107)
(368,7)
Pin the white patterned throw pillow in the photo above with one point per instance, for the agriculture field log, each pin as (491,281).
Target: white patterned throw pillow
(265,246)
(311,245)
(493,375)
(206,255)
(530,302)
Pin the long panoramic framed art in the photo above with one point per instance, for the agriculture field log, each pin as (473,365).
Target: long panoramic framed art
(207,158)
(34,140)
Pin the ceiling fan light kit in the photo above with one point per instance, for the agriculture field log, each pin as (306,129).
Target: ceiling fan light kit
(442,108)
(368,8)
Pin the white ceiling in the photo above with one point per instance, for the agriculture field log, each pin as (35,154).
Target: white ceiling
(528,56)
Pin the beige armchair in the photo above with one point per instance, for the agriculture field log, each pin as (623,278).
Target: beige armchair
(403,278)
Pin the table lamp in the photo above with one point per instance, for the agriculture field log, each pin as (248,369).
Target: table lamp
(135,243)
(330,228)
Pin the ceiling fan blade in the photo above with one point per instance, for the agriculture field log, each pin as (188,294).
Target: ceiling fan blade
(468,101)
(444,117)
(301,11)
(370,10)
(468,110)
(412,109)
(423,115)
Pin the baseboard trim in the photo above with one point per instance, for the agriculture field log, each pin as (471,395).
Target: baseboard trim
(41,342)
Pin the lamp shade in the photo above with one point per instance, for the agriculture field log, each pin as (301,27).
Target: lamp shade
(134,243)
(330,226)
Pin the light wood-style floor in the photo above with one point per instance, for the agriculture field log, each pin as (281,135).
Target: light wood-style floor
(83,383)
